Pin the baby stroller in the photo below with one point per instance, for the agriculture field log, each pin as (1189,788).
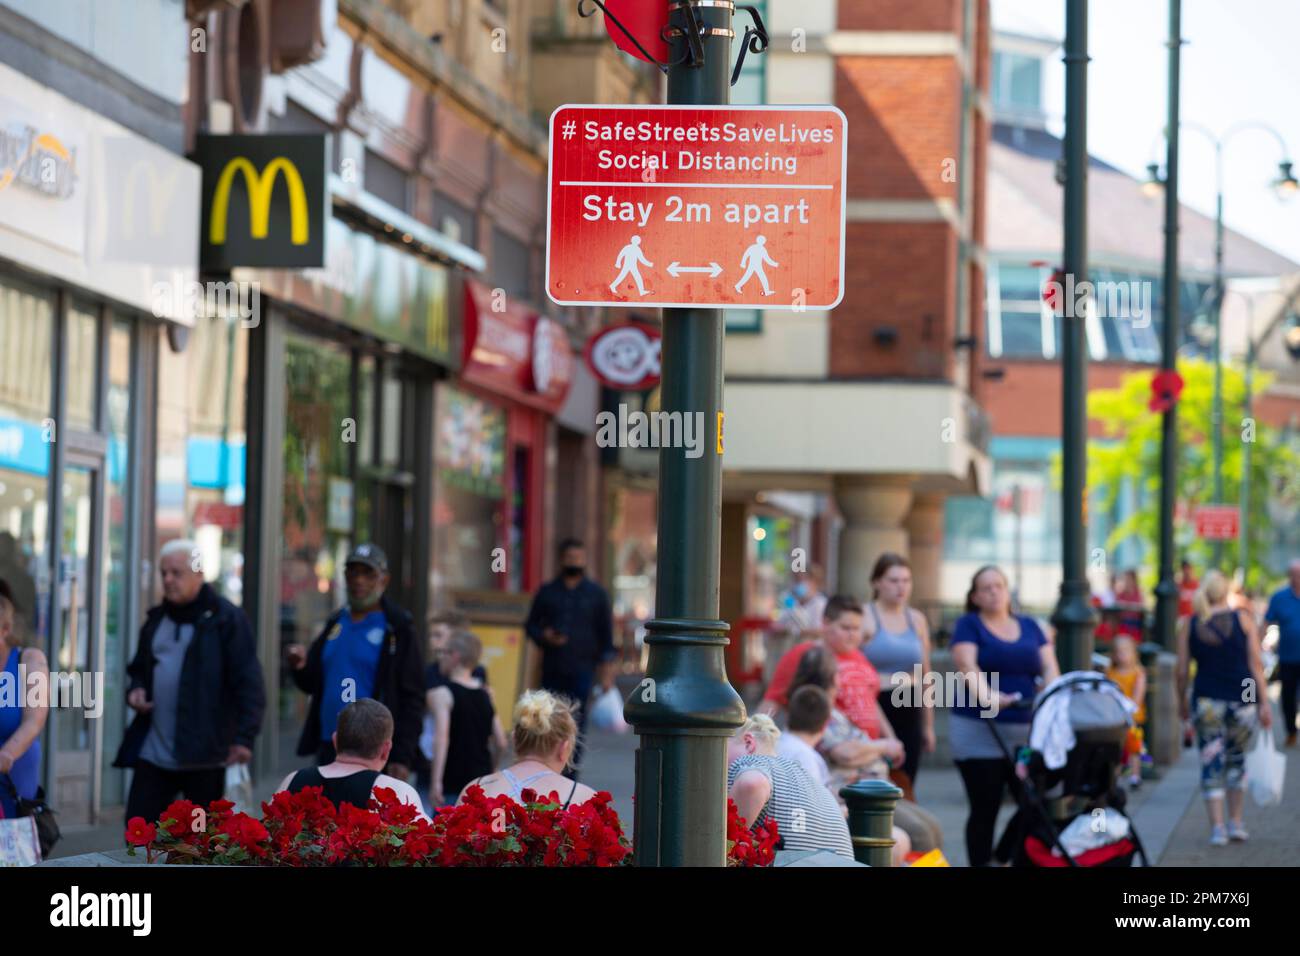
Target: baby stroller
(1067,793)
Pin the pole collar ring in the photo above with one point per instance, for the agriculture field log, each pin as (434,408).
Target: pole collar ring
(676,31)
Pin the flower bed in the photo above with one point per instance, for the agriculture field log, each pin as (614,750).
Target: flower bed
(306,829)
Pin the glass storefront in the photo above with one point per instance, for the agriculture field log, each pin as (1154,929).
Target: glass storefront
(469,495)
(67,538)
(202,448)
(318,515)
(26,361)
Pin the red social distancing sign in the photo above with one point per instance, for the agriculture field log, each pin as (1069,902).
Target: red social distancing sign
(697,206)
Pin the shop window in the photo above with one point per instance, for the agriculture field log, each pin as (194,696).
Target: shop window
(118,636)
(469,491)
(81,337)
(26,363)
(318,490)
(202,442)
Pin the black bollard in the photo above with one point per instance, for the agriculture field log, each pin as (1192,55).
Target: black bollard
(871,820)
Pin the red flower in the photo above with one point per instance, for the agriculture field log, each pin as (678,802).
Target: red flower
(178,819)
(139,832)
(1166,386)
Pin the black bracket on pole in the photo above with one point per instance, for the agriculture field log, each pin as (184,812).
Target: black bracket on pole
(694,45)
(755,40)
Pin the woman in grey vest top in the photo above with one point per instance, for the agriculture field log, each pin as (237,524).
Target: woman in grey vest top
(897,642)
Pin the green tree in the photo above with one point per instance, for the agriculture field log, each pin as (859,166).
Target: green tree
(1129,456)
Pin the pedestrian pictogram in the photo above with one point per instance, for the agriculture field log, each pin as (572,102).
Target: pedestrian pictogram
(753,260)
(700,206)
(628,261)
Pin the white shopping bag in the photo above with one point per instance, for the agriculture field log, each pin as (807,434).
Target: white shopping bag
(19,844)
(1265,770)
(607,712)
(239,787)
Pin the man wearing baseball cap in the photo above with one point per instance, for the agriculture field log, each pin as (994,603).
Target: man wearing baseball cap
(367,649)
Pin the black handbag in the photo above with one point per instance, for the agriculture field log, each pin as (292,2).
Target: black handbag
(47,828)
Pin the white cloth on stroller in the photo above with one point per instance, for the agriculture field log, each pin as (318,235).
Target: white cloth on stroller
(1051,733)
(1088,831)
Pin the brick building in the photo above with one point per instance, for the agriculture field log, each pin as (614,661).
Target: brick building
(870,414)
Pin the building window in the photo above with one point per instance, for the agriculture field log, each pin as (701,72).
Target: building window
(1017,82)
(455,221)
(1120,322)
(387,181)
(511,265)
(743,320)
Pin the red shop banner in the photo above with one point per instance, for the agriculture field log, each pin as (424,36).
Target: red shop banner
(514,351)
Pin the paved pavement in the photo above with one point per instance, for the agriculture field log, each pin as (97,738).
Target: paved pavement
(1274,831)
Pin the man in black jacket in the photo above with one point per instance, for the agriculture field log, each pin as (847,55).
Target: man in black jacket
(367,649)
(571,621)
(196,686)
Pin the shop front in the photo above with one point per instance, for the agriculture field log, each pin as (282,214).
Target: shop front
(98,227)
(346,361)
(494,440)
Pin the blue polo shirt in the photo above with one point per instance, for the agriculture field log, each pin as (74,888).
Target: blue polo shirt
(353,652)
(1284,611)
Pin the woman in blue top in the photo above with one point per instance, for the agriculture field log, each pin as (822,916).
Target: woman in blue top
(20,727)
(1002,657)
(1229,678)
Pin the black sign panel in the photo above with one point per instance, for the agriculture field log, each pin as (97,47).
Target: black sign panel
(265,201)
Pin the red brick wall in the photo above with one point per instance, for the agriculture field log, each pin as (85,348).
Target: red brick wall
(1027,400)
(903,115)
(899,275)
(1276,410)
(942,15)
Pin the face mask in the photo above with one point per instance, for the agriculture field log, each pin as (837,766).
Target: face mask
(801,590)
(574,570)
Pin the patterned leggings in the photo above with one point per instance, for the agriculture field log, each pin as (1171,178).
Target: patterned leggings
(1223,732)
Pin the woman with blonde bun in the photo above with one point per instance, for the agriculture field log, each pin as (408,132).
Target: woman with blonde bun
(545,734)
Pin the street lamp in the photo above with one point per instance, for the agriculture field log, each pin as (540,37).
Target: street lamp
(1285,185)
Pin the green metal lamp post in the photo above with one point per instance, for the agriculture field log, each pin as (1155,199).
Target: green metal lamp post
(1074,617)
(1166,589)
(685,710)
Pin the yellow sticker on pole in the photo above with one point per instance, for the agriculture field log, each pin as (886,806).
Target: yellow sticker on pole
(719,433)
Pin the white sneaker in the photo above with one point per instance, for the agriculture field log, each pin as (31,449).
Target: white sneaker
(1218,837)
(1237,833)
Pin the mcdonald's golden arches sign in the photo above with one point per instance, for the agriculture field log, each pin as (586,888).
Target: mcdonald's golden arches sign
(264,201)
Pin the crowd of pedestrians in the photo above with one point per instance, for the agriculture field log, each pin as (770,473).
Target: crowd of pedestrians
(839,708)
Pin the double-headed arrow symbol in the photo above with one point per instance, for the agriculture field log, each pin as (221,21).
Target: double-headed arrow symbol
(676,268)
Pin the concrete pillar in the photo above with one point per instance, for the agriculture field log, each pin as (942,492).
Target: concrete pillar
(924,526)
(874,508)
(1164,729)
